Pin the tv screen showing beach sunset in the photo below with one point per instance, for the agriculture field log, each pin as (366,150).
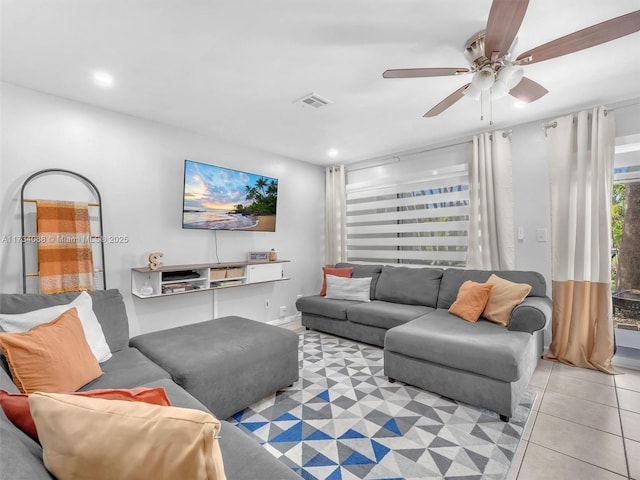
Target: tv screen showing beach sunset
(218,198)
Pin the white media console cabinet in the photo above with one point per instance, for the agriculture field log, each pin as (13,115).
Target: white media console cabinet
(179,279)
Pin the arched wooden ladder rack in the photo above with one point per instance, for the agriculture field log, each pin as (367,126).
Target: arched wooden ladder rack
(100,235)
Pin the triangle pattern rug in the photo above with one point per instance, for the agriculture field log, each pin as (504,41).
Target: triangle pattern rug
(343,420)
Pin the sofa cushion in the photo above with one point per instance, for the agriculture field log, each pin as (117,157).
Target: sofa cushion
(112,315)
(20,456)
(385,314)
(178,442)
(453,278)
(410,286)
(364,270)
(51,357)
(482,347)
(6,382)
(127,368)
(325,307)
(107,305)
(21,322)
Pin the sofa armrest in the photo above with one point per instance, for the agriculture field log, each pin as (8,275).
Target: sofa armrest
(533,314)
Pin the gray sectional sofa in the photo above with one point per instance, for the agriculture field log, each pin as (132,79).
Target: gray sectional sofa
(21,457)
(480,363)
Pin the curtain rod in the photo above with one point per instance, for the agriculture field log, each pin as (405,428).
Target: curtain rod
(621,105)
(554,124)
(396,157)
(505,134)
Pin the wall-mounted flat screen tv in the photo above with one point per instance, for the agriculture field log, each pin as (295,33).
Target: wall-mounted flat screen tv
(219,198)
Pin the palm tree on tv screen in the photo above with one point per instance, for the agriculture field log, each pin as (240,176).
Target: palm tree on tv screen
(264,197)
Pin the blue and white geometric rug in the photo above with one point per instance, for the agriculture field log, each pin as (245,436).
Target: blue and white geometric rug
(343,420)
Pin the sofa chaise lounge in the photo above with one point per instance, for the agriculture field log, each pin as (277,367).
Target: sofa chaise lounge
(244,459)
(481,363)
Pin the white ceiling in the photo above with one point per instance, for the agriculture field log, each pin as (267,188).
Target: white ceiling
(232,68)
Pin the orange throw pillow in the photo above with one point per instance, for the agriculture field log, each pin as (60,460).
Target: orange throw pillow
(16,405)
(51,357)
(471,300)
(505,296)
(338,272)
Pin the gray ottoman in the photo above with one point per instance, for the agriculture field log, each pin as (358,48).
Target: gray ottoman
(227,363)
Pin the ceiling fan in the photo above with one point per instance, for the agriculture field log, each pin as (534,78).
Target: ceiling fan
(489,55)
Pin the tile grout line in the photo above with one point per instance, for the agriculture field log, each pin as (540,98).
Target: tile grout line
(587,426)
(600,467)
(537,412)
(624,444)
(565,374)
(528,441)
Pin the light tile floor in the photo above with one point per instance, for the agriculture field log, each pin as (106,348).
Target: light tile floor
(584,424)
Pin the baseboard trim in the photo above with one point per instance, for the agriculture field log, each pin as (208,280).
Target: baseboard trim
(283,320)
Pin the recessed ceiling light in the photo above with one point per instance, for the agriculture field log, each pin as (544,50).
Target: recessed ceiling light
(332,153)
(520,104)
(103,79)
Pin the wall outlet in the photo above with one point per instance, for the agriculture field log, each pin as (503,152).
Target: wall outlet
(283,311)
(266,303)
(541,235)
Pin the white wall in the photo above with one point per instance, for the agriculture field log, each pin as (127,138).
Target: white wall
(532,201)
(138,167)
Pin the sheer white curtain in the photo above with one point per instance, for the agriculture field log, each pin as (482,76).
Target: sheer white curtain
(491,243)
(581,155)
(335,215)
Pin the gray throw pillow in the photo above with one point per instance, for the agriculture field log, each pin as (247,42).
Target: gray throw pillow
(356,289)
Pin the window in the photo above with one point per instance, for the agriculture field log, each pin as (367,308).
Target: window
(626,167)
(419,218)
(625,226)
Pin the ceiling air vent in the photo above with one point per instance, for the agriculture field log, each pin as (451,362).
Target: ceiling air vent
(313,101)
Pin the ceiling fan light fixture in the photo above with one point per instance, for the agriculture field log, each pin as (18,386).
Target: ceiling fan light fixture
(472,92)
(483,78)
(510,76)
(499,90)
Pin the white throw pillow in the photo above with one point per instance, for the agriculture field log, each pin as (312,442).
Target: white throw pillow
(340,288)
(22,322)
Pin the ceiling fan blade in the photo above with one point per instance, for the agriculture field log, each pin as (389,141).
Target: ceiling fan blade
(423,72)
(528,90)
(585,38)
(505,18)
(447,102)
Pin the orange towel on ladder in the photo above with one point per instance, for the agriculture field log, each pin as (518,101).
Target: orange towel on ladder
(65,259)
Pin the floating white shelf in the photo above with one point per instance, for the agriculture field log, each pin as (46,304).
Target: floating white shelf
(179,279)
